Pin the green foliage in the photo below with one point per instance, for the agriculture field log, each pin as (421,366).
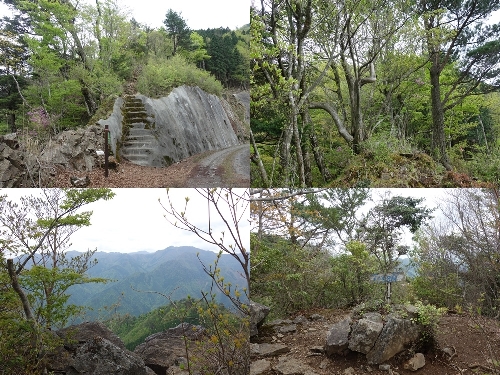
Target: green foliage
(351,271)
(288,277)
(428,317)
(443,290)
(177,29)
(133,330)
(159,77)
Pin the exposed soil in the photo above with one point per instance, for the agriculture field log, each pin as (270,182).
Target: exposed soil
(473,341)
(223,168)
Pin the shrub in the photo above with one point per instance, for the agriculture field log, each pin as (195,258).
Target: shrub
(159,77)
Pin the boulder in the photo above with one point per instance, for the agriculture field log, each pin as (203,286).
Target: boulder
(258,313)
(364,334)
(76,335)
(260,366)
(292,366)
(75,149)
(395,336)
(415,363)
(337,339)
(167,349)
(91,348)
(101,357)
(268,350)
(12,164)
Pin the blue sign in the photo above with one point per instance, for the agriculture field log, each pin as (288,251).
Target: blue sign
(388,278)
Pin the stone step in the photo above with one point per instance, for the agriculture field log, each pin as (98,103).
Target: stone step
(137,159)
(141,138)
(137,151)
(132,99)
(138,106)
(137,144)
(133,132)
(137,113)
(134,120)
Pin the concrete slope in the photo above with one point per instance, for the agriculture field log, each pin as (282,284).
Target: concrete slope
(159,132)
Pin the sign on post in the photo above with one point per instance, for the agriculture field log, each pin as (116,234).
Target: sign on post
(388,277)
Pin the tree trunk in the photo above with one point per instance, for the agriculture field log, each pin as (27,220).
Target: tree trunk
(20,292)
(318,156)
(258,161)
(438,142)
(298,148)
(11,120)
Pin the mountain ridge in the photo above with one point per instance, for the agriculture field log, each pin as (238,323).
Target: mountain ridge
(141,281)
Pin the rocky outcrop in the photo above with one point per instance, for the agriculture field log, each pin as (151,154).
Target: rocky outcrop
(258,313)
(397,334)
(99,356)
(291,346)
(75,149)
(365,333)
(337,338)
(164,351)
(13,171)
(91,348)
(187,122)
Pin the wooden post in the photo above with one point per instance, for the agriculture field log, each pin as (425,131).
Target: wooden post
(106,150)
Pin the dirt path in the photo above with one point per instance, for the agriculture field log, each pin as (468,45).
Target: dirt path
(475,342)
(224,168)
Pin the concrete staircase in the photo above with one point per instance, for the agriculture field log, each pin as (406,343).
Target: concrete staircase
(138,140)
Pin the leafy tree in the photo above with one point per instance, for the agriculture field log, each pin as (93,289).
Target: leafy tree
(228,346)
(456,32)
(198,52)
(459,259)
(34,234)
(382,228)
(177,29)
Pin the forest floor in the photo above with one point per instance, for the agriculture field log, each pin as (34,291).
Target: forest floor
(474,340)
(224,168)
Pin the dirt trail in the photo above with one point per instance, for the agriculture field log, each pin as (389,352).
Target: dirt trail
(224,168)
(474,340)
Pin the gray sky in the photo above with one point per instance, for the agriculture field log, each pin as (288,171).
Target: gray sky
(198,14)
(133,221)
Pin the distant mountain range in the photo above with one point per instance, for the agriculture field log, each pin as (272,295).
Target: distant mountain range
(175,272)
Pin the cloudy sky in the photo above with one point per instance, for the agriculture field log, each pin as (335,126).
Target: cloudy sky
(134,221)
(198,14)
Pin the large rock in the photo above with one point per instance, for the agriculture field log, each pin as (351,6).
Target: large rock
(292,366)
(268,350)
(13,170)
(167,349)
(77,335)
(395,336)
(91,348)
(337,339)
(258,313)
(75,149)
(415,363)
(364,335)
(101,357)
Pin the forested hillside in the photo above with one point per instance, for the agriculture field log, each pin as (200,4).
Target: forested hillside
(61,63)
(375,93)
(176,272)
